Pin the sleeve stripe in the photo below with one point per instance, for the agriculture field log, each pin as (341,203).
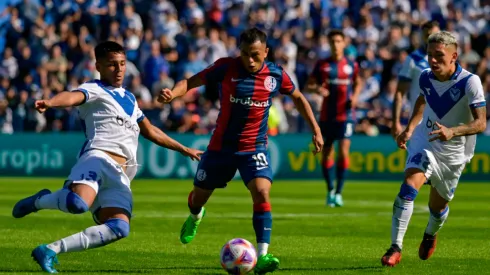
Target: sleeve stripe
(85,92)
(140,118)
(478,104)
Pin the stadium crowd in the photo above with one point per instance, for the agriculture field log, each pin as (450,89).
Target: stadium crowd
(46,46)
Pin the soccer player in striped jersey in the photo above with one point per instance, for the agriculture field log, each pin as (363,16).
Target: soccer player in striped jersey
(337,79)
(246,85)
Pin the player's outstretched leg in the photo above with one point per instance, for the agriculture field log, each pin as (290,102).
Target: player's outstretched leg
(64,199)
(196,200)
(27,205)
(262,223)
(341,171)
(328,174)
(402,212)
(439,211)
(114,227)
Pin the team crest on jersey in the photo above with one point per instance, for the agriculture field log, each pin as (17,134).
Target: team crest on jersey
(270,83)
(454,93)
(348,69)
(201,175)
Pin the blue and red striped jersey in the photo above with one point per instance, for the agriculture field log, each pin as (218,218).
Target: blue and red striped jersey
(338,77)
(245,100)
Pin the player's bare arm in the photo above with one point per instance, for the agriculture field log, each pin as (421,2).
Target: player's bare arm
(413,122)
(180,89)
(157,136)
(401,90)
(61,100)
(478,125)
(357,90)
(304,109)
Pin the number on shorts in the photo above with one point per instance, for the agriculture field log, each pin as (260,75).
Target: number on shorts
(417,159)
(260,159)
(91,176)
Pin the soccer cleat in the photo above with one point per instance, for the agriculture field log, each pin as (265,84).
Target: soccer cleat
(189,228)
(266,263)
(338,200)
(27,206)
(427,246)
(331,199)
(392,257)
(45,257)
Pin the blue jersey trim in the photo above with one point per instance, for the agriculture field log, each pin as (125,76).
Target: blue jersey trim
(478,105)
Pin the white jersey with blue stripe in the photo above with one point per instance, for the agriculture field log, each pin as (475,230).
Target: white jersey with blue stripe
(110,117)
(411,69)
(449,103)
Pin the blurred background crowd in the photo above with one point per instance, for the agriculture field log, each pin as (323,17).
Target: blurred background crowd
(46,46)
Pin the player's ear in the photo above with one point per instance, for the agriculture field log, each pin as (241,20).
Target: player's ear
(97,66)
(266,52)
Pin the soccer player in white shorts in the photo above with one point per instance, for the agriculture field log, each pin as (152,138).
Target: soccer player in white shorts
(452,108)
(100,180)
(408,77)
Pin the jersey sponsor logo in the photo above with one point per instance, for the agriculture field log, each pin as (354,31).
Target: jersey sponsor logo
(249,102)
(338,81)
(427,90)
(126,123)
(431,125)
(270,83)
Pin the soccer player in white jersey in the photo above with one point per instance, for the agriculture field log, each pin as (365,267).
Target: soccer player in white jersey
(100,180)
(453,108)
(413,65)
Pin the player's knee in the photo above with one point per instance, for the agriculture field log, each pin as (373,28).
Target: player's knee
(408,192)
(75,204)
(119,227)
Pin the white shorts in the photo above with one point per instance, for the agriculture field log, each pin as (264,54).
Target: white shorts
(99,171)
(444,178)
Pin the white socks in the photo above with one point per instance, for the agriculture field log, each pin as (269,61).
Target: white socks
(436,221)
(56,200)
(91,237)
(402,212)
(262,248)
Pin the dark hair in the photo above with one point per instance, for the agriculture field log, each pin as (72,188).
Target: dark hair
(252,35)
(106,47)
(335,32)
(430,24)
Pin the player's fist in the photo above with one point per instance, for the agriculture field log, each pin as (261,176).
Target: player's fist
(42,105)
(318,143)
(194,154)
(323,91)
(403,138)
(165,96)
(442,134)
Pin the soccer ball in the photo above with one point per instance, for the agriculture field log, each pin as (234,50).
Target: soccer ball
(238,256)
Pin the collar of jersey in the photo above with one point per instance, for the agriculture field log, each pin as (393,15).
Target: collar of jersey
(105,84)
(455,74)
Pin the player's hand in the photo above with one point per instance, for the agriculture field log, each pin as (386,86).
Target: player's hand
(42,105)
(318,142)
(403,138)
(396,129)
(165,96)
(442,134)
(194,154)
(323,91)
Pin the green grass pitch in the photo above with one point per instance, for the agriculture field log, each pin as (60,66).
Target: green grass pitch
(307,237)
